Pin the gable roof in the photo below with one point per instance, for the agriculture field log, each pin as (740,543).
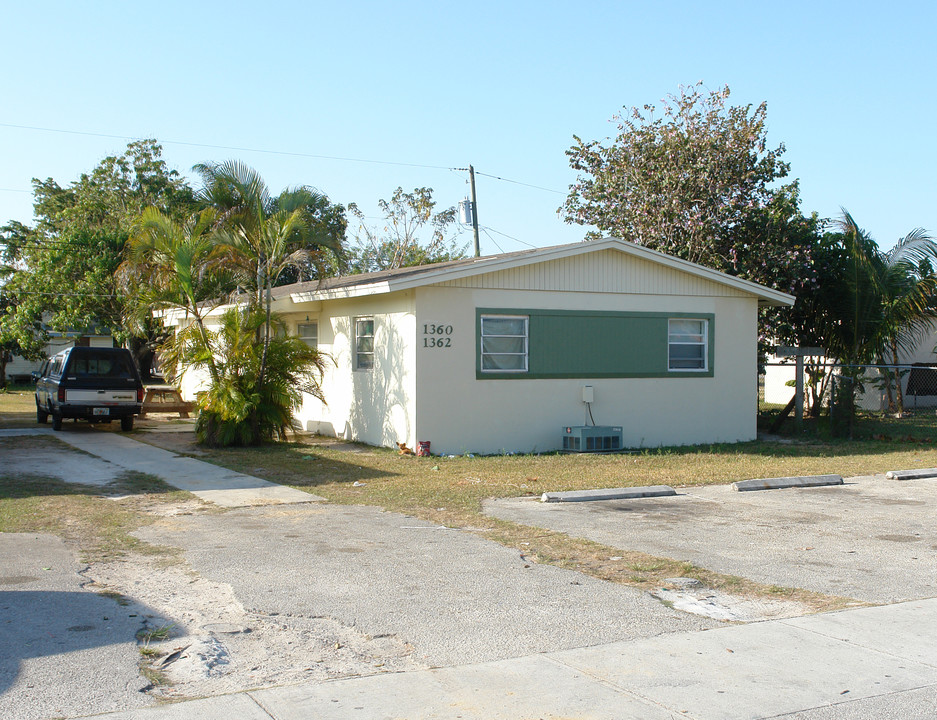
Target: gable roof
(386,281)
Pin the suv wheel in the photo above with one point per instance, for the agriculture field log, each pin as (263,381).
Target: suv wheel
(41,415)
(56,422)
(126,423)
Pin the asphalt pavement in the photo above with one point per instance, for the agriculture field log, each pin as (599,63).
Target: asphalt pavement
(63,649)
(513,639)
(871,539)
(454,596)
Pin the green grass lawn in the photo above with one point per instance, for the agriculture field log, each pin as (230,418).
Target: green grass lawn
(17,406)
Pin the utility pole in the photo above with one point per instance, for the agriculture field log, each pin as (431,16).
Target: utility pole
(474,211)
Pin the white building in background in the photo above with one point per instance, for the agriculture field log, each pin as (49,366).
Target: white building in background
(918,381)
(493,354)
(20,369)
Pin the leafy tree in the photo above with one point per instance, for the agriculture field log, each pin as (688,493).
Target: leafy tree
(70,258)
(407,217)
(20,334)
(683,182)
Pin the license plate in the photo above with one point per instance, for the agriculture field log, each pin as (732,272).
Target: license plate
(101,411)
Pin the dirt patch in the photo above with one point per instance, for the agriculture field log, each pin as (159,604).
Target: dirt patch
(692,596)
(214,645)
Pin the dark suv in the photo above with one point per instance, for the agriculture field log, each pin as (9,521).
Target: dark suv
(94,384)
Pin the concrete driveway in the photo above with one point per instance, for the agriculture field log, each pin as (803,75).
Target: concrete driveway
(282,573)
(453,596)
(871,539)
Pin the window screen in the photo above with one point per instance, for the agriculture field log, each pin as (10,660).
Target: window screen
(364,343)
(687,345)
(504,343)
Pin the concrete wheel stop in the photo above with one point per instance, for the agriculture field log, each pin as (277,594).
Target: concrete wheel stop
(918,474)
(787,482)
(608,494)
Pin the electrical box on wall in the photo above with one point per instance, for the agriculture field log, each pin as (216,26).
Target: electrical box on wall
(588,394)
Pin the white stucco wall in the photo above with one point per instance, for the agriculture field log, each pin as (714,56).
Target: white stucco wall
(375,405)
(458,413)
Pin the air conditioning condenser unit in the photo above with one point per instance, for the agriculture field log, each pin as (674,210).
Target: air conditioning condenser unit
(592,438)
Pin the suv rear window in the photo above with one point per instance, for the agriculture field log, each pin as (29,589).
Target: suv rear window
(108,366)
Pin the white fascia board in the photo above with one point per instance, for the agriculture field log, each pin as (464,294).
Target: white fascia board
(351,291)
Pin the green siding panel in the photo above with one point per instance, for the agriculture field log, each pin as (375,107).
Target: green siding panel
(597,345)
(582,344)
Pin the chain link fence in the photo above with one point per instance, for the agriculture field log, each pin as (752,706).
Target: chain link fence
(848,394)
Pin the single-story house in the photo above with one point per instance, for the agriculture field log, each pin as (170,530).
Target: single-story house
(502,353)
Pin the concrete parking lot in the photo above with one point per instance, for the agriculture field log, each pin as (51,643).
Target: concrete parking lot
(871,539)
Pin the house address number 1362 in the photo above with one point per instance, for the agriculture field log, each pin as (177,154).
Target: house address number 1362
(437,336)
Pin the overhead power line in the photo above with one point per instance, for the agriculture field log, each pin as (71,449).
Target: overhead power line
(64,294)
(287,153)
(511,237)
(228,147)
(518,182)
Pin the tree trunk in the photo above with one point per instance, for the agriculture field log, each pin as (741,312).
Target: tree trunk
(899,395)
(886,381)
(779,420)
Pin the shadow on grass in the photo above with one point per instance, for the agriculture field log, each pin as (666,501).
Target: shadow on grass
(915,426)
(302,465)
(26,485)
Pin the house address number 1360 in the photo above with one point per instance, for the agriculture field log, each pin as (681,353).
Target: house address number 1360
(437,336)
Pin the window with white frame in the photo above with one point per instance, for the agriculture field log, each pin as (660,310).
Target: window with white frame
(504,343)
(687,344)
(309,333)
(364,343)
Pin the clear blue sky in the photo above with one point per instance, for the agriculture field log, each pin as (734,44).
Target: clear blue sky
(503,85)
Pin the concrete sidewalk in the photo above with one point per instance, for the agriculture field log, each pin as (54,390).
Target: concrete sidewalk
(877,662)
(209,482)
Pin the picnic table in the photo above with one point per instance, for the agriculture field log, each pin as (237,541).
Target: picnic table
(164,399)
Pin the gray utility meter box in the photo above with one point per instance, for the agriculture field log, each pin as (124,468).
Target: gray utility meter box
(592,438)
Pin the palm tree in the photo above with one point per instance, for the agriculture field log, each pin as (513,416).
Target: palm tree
(239,409)
(909,291)
(249,399)
(888,300)
(175,258)
(264,235)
